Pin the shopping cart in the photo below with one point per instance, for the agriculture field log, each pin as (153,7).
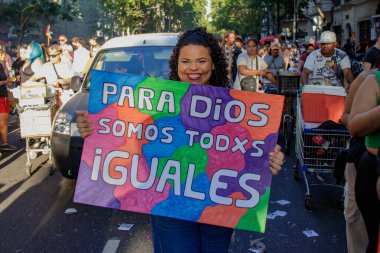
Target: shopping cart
(316,151)
(36,109)
(35,127)
(288,85)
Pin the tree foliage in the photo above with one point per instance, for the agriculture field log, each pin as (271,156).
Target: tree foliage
(23,14)
(246,16)
(135,16)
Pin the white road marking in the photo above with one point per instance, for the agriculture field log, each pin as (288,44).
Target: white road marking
(111,246)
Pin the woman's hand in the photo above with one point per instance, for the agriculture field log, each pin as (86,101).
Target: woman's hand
(261,72)
(276,160)
(83,124)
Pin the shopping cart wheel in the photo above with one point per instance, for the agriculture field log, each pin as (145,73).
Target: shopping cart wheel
(295,172)
(308,202)
(28,168)
(288,133)
(33,155)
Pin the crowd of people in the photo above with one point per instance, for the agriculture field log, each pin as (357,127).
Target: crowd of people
(323,63)
(231,63)
(54,65)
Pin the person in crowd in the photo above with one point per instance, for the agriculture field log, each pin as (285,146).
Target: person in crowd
(264,50)
(35,60)
(364,120)
(22,57)
(4,106)
(372,55)
(231,53)
(81,56)
(67,49)
(6,60)
(240,43)
(309,48)
(357,238)
(274,61)
(294,56)
(250,64)
(302,48)
(197,58)
(327,65)
(13,53)
(285,53)
(94,46)
(57,73)
(349,48)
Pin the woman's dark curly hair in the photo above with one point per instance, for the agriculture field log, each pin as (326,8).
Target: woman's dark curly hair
(199,36)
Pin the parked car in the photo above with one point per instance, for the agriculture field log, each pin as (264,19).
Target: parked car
(143,54)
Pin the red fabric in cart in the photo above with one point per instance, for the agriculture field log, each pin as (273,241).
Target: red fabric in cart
(319,108)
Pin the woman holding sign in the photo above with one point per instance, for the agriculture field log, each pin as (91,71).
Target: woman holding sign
(197,58)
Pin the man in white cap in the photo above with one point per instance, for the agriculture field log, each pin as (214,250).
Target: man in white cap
(327,65)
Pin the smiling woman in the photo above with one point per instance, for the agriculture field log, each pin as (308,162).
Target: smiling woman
(198,58)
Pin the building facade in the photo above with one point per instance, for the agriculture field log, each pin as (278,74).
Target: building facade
(349,19)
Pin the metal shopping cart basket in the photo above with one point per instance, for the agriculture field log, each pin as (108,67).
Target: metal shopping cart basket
(316,151)
(36,113)
(35,124)
(288,85)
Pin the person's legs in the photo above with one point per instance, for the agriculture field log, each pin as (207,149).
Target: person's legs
(366,198)
(174,235)
(215,239)
(357,239)
(4,115)
(4,127)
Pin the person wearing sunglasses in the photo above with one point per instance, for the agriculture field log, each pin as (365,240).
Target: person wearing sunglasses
(57,73)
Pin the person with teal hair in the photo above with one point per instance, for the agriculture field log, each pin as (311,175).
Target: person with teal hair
(36,52)
(36,59)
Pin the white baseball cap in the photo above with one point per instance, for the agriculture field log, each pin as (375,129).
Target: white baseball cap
(327,37)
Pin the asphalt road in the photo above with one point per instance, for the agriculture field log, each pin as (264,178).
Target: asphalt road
(33,219)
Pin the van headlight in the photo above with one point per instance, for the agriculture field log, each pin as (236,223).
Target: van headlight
(62,123)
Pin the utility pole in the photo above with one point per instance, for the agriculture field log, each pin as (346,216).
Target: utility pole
(295,20)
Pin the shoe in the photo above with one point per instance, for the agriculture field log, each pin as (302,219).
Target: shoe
(7,147)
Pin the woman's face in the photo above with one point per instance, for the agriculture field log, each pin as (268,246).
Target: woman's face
(23,53)
(309,49)
(195,64)
(251,48)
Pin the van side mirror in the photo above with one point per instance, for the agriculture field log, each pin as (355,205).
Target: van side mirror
(76,83)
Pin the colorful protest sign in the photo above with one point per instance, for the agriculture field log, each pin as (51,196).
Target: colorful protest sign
(187,151)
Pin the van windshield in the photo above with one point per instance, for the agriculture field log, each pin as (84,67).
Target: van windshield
(142,61)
